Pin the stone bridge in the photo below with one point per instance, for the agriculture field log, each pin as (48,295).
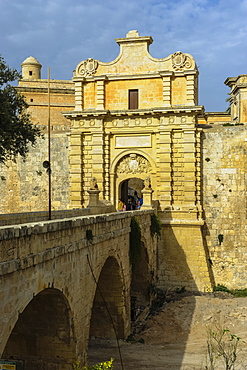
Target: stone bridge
(64,281)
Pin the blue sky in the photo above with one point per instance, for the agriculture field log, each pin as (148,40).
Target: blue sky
(61,33)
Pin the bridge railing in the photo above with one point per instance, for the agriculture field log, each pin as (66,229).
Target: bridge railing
(23,245)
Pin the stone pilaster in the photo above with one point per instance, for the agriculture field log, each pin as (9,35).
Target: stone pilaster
(113,195)
(100,95)
(190,89)
(97,165)
(198,171)
(107,166)
(76,170)
(164,169)
(79,101)
(177,166)
(166,79)
(189,142)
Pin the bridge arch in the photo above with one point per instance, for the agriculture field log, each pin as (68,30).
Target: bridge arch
(43,336)
(109,310)
(141,280)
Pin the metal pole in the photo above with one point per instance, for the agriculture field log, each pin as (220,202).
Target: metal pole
(49,147)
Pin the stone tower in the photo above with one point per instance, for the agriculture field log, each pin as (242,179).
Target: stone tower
(31,69)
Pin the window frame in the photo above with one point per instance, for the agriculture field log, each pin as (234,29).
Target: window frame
(133,99)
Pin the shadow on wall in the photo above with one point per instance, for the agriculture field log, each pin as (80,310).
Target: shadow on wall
(109,306)
(43,334)
(184,270)
(183,274)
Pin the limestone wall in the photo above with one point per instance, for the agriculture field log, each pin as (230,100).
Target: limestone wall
(30,217)
(224,202)
(24,184)
(150,93)
(182,260)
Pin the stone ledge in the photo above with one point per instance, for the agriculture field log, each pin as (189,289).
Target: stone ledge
(10,232)
(8,267)
(177,222)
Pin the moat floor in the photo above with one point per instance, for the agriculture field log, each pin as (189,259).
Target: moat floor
(176,337)
(140,356)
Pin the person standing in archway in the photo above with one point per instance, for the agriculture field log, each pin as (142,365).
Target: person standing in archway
(120,205)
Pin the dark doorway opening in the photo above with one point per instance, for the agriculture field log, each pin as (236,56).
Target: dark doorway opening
(130,192)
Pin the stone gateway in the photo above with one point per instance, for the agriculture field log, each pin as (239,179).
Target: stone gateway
(129,130)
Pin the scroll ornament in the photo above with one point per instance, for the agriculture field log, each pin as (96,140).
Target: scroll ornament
(132,164)
(180,61)
(88,67)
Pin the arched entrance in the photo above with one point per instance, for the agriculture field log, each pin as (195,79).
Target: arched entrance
(43,336)
(130,191)
(129,170)
(109,308)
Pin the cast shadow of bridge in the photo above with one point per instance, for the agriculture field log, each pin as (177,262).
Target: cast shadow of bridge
(164,338)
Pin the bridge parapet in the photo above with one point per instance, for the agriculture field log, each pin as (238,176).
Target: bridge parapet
(31,217)
(29,244)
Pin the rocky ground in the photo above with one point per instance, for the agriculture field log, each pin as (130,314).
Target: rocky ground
(175,336)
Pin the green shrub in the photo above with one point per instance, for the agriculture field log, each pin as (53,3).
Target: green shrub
(234,292)
(240,292)
(107,365)
(223,348)
(221,288)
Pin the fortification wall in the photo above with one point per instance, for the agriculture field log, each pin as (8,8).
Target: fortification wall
(24,188)
(24,184)
(224,202)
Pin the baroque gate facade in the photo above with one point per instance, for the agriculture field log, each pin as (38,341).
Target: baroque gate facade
(136,117)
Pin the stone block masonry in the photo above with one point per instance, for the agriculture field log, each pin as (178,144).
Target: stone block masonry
(55,264)
(224,203)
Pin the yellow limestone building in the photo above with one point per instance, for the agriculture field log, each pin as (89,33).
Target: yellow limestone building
(135,117)
(134,126)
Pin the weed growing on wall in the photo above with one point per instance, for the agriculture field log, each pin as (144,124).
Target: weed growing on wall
(155,227)
(135,242)
(89,235)
(234,292)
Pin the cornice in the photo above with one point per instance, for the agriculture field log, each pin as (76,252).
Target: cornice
(136,112)
(115,77)
(44,90)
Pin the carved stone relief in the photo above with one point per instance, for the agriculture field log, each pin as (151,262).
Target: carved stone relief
(133,163)
(180,61)
(88,67)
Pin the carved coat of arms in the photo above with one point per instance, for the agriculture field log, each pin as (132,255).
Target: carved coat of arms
(133,164)
(88,67)
(180,61)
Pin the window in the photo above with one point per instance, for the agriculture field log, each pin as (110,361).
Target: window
(30,73)
(133,99)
